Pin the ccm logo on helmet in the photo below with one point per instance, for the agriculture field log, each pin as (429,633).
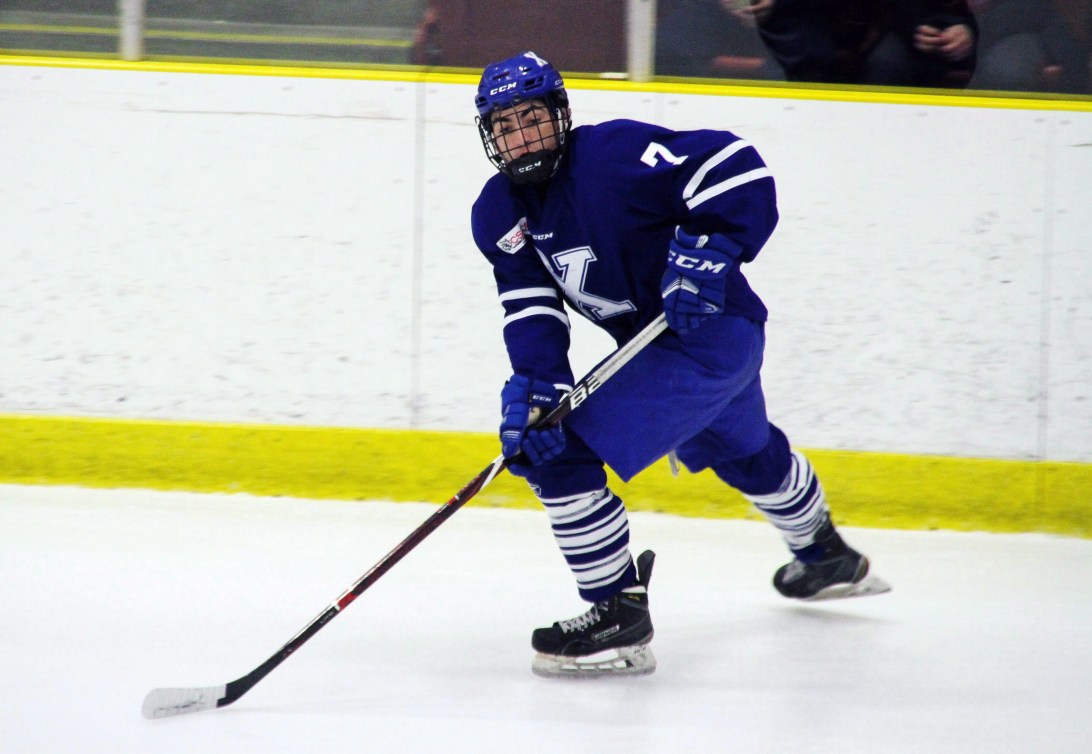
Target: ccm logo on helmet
(504,88)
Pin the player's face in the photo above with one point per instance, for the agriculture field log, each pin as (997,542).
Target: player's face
(526,127)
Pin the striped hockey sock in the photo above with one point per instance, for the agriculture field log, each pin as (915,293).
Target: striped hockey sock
(592,530)
(798,509)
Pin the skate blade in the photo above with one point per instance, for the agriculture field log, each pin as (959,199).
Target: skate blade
(635,660)
(866,587)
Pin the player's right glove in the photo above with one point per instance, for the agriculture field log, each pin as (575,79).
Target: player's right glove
(523,402)
(693,287)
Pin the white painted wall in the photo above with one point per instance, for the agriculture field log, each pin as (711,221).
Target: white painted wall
(263,249)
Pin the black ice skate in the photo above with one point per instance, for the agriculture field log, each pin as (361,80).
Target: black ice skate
(840,572)
(610,639)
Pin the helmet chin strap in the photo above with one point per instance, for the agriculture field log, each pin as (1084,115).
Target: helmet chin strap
(533,167)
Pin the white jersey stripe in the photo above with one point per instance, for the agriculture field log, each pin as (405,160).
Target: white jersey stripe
(800,490)
(570,498)
(712,162)
(528,293)
(728,185)
(592,532)
(578,531)
(604,572)
(571,541)
(534,311)
(597,545)
(576,511)
(610,560)
(578,507)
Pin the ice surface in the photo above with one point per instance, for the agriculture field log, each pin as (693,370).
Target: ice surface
(985,644)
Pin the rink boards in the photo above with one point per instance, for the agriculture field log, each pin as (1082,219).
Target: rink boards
(232,278)
(884,490)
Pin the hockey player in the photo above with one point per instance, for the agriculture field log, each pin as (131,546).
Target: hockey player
(622,221)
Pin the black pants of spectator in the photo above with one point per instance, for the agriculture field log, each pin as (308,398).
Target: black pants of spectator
(809,46)
(893,61)
(1014,64)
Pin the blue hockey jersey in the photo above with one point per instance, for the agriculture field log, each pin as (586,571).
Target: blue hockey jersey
(595,237)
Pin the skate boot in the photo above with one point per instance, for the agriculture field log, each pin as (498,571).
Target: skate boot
(830,569)
(610,639)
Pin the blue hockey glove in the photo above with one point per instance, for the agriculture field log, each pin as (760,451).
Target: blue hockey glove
(693,287)
(523,402)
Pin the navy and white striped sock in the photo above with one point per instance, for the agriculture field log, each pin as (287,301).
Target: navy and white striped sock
(798,509)
(592,530)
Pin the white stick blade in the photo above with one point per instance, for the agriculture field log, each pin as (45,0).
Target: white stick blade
(168,702)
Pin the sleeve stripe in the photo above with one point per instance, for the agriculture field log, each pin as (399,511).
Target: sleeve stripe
(528,293)
(728,185)
(532,311)
(712,162)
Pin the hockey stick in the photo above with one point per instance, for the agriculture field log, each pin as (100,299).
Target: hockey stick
(166,702)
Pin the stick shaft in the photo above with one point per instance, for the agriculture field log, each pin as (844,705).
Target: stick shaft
(166,702)
(238,687)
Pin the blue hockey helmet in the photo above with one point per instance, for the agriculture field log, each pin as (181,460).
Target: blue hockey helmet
(508,83)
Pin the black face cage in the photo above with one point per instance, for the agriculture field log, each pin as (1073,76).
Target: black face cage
(557,103)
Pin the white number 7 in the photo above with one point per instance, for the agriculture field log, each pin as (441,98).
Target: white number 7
(659,150)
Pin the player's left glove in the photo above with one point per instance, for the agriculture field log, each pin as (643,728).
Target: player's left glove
(693,287)
(523,402)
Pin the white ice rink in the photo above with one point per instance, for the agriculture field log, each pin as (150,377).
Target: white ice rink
(985,644)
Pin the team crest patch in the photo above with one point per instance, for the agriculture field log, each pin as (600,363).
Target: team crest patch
(515,239)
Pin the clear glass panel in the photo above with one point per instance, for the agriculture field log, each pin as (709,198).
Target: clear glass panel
(53,27)
(1039,46)
(1042,46)
(577,36)
(343,31)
